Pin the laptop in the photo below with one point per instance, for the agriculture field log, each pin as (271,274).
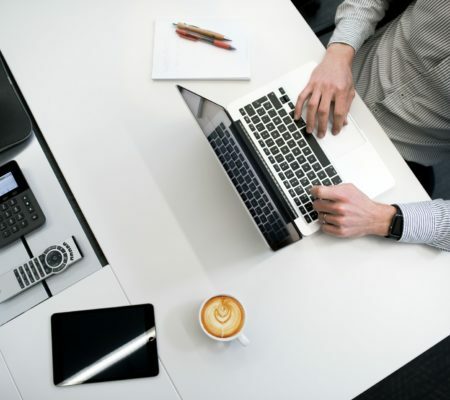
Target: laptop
(272,161)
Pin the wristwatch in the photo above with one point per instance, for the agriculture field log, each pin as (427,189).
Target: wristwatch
(396,226)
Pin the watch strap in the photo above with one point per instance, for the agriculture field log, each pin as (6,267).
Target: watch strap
(396,226)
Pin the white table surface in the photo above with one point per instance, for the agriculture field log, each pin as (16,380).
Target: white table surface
(327,318)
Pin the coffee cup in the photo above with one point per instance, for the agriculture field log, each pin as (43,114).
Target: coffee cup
(222,318)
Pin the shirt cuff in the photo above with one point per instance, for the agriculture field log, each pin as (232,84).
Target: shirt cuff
(426,222)
(351,32)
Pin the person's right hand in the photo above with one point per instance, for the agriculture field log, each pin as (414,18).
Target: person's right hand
(329,90)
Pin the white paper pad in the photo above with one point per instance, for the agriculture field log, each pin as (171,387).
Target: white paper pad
(178,58)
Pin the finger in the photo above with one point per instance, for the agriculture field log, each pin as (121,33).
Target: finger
(302,97)
(332,230)
(341,108)
(346,120)
(313,104)
(331,219)
(323,113)
(331,193)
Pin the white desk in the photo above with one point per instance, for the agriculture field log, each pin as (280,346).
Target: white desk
(327,318)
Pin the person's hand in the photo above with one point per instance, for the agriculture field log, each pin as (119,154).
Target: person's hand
(345,211)
(329,90)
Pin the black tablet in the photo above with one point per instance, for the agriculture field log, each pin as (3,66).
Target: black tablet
(104,345)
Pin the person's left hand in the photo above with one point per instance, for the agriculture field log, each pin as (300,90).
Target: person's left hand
(345,211)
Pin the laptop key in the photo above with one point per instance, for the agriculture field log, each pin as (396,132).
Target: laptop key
(282,128)
(272,113)
(261,112)
(316,166)
(285,150)
(259,102)
(312,159)
(289,174)
(289,158)
(323,159)
(299,173)
(279,158)
(291,143)
(260,127)
(265,134)
(270,126)
(321,175)
(274,100)
(274,150)
(255,119)
(275,134)
(284,166)
(287,136)
(250,110)
(279,142)
(270,142)
(330,171)
(336,180)
(295,165)
(277,120)
(265,118)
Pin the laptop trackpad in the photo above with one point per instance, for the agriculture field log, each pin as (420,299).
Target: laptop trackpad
(349,139)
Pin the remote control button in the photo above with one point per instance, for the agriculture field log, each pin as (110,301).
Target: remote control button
(39,267)
(12,202)
(33,270)
(15,229)
(44,265)
(34,217)
(24,197)
(3,206)
(7,214)
(3,226)
(19,279)
(29,274)
(54,258)
(19,217)
(6,234)
(11,221)
(30,209)
(23,276)
(16,209)
(23,223)
(27,203)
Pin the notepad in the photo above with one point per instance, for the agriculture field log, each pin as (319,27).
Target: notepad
(177,58)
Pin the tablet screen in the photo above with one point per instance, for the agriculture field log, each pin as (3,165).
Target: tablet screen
(104,345)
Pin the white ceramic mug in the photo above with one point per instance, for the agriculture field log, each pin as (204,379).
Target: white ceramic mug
(243,340)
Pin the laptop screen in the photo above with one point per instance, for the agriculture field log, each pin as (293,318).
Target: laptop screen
(240,165)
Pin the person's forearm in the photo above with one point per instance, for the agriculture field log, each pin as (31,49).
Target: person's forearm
(341,52)
(382,220)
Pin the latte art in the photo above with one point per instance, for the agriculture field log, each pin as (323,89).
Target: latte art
(222,316)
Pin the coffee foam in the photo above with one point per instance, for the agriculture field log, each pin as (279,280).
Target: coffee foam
(222,316)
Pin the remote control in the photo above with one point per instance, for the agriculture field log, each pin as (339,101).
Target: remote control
(54,260)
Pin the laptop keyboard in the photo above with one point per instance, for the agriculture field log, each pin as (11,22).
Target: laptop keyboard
(295,155)
(248,185)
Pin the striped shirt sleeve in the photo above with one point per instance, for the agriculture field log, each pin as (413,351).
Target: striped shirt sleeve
(427,222)
(356,21)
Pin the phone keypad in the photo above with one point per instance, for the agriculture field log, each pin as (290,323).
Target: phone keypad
(19,215)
